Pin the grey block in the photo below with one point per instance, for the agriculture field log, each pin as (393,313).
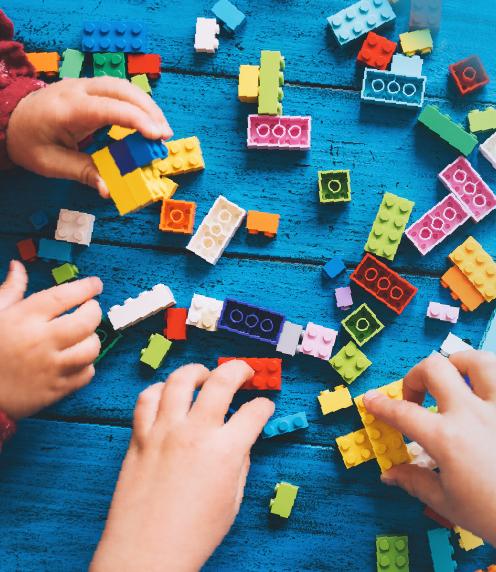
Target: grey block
(289,338)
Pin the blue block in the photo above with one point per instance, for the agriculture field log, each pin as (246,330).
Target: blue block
(38,219)
(251,321)
(488,342)
(387,88)
(114,37)
(228,15)
(144,151)
(287,424)
(122,156)
(333,268)
(55,250)
(441,550)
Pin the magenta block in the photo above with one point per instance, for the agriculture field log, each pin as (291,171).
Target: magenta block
(279,132)
(317,341)
(443,312)
(344,301)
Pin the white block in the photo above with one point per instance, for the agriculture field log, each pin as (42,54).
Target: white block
(453,344)
(488,149)
(75,226)
(420,457)
(204,312)
(407,65)
(205,36)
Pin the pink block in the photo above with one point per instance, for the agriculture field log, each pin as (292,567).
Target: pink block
(279,132)
(317,341)
(443,312)
(465,182)
(438,223)
(344,301)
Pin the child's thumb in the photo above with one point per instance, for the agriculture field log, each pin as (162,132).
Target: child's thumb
(14,287)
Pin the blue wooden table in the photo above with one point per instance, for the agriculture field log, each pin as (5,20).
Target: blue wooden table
(58,474)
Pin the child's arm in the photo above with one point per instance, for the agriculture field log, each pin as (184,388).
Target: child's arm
(183,478)
(461,437)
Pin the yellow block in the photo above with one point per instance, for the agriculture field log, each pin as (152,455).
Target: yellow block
(387,443)
(117,132)
(418,41)
(139,183)
(248,84)
(331,401)
(355,448)
(185,156)
(467,540)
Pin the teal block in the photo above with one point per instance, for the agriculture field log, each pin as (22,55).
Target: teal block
(72,63)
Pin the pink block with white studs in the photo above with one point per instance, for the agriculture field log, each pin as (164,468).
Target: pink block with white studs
(279,132)
(465,182)
(317,341)
(437,223)
(443,312)
(344,301)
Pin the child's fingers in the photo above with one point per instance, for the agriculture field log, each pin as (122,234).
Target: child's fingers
(480,367)
(146,410)
(79,379)
(247,423)
(80,355)
(245,468)
(13,288)
(72,328)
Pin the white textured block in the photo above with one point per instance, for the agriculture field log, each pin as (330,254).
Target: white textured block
(216,230)
(75,226)
(205,36)
(289,338)
(204,312)
(135,310)
(407,65)
(420,457)
(488,149)
(453,344)
(443,312)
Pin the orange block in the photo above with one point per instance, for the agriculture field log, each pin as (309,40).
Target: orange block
(462,289)
(46,63)
(267,223)
(177,216)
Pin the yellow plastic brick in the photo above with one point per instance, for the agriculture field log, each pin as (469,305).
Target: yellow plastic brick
(248,84)
(476,265)
(331,401)
(117,132)
(185,156)
(467,540)
(418,41)
(355,448)
(387,443)
(138,183)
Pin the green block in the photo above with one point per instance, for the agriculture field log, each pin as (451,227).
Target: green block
(271,80)
(282,503)
(154,354)
(392,553)
(65,273)
(72,63)
(112,64)
(362,324)
(108,338)
(389,225)
(334,186)
(350,362)
(141,81)
(443,126)
(479,120)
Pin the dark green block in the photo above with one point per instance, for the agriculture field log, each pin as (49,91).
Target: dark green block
(362,324)
(334,186)
(108,338)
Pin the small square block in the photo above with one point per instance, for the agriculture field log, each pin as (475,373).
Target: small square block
(350,362)
(392,554)
(362,324)
(177,216)
(65,273)
(55,250)
(111,64)
(141,81)
(344,301)
(333,268)
(229,16)
(469,74)
(376,51)
(38,219)
(318,341)
(27,249)
(334,186)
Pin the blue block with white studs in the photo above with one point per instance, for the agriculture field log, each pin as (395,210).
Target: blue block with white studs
(55,250)
(287,424)
(128,37)
(387,88)
(228,15)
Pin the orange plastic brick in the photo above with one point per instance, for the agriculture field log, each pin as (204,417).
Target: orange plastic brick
(46,63)
(461,289)
(267,373)
(267,223)
(355,448)
(177,216)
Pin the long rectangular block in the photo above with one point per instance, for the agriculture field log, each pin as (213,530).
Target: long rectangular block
(248,84)
(55,250)
(441,550)
(283,425)
(45,63)
(72,63)
(206,35)
(462,289)
(488,149)
(482,120)
(227,13)
(118,36)
(388,88)
(488,341)
(271,80)
(279,132)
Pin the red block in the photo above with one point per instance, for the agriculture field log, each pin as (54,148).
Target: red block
(144,63)
(175,319)
(383,283)
(27,249)
(469,74)
(267,372)
(431,513)
(376,51)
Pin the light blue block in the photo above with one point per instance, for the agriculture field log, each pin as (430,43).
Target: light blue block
(387,88)
(55,250)
(230,17)
(287,424)
(441,550)
(407,65)
(488,342)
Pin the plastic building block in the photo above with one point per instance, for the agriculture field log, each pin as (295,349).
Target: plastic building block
(156,350)
(251,321)
(443,312)
(437,224)
(317,341)
(355,448)
(476,265)
(108,338)
(387,443)
(359,19)
(114,37)
(46,63)
(177,216)
(206,35)
(376,51)
(117,132)
(392,553)
(175,320)
(344,301)
(443,126)
(488,341)
(282,425)
(228,15)
(441,550)
(488,149)
(148,185)
(65,273)
(467,540)
(135,310)
(388,88)
(185,156)
(350,362)
(482,120)
(27,249)
(383,283)
(420,457)
(144,63)
(55,250)
(271,80)
(75,226)
(136,151)
(362,324)
(141,81)
(407,66)
(425,14)
(332,401)
(111,64)
(462,289)
(334,186)
(469,74)
(453,344)
(333,268)
(289,338)
(432,514)
(260,222)
(38,219)
(267,374)
(72,63)
(283,132)
(283,502)
(248,84)
(204,312)
(465,182)
(216,230)
(419,41)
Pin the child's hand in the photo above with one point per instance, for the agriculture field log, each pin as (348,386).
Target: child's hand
(183,478)
(461,437)
(47,125)
(44,355)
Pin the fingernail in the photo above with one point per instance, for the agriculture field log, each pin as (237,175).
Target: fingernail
(100,284)
(155,131)
(371,395)
(389,481)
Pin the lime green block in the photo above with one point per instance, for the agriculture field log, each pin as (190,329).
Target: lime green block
(453,133)
(362,324)
(112,64)
(72,63)
(350,362)
(479,120)
(334,186)
(392,553)
(141,81)
(154,354)
(418,41)
(65,273)
(271,80)
(282,503)
(389,225)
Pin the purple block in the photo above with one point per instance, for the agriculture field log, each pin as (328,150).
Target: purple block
(344,301)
